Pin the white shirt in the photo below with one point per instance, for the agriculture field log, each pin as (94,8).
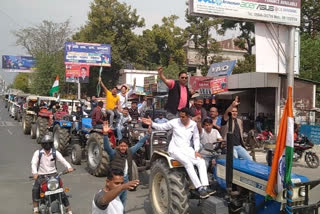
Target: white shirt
(210,137)
(181,137)
(124,99)
(114,207)
(47,164)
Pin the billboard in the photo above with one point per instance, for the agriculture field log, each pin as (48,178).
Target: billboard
(77,73)
(285,12)
(18,63)
(87,53)
(221,68)
(213,86)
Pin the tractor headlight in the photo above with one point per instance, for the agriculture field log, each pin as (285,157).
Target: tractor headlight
(53,184)
(302,192)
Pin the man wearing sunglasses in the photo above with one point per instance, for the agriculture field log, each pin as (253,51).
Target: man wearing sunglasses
(179,93)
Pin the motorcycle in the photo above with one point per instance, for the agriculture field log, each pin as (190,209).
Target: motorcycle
(301,145)
(51,190)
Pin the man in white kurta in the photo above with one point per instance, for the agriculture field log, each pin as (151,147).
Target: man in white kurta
(184,147)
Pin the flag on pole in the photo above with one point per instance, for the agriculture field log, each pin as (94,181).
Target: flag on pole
(55,86)
(280,173)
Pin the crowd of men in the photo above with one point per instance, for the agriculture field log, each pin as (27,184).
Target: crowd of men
(192,127)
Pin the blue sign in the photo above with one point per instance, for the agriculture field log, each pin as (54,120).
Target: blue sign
(18,63)
(312,132)
(221,69)
(87,53)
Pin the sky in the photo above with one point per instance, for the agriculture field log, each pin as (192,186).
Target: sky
(17,14)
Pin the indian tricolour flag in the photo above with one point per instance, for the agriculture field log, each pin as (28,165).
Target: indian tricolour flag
(280,173)
(55,86)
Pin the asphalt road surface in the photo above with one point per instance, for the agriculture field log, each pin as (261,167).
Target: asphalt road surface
(16,150)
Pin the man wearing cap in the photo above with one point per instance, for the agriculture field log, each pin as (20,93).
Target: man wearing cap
(179,93)
(124,95)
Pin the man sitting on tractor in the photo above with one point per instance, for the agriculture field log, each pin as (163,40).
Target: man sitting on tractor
(97,117)
(122,157)
(185,130)
(208,135)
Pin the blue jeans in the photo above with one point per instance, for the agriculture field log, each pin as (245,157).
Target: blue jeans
(119,133)
(124,193)
(240,152)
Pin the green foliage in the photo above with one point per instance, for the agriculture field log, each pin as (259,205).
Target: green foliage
(48,67)
(246,39)
(310,58)
(245,66)
(172,70)
(199,31)
(21,82)
(310,18)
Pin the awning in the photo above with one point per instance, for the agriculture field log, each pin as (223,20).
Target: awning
(229,95)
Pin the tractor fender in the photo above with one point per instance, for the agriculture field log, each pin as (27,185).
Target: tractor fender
(172,163)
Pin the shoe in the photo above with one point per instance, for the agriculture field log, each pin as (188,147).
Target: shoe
(210,191)
(203,193)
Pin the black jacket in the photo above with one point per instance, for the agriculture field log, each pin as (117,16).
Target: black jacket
(174,98)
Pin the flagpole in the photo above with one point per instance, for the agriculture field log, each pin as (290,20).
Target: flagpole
(290,83)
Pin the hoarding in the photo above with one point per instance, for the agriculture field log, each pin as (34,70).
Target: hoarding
(285,12)
(87,53)
(214,86)
(194,81)
(18,63)
(312,132)
(77,73)
(221,69)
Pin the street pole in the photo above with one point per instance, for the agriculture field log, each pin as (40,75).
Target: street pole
(290,83)
(79,90)
(290,63)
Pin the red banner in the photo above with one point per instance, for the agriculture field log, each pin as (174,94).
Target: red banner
(77,73)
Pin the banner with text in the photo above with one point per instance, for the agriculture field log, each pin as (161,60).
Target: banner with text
(215,86)
(87,53)
(77,73)
(221,69)
(18,63)
(285,12)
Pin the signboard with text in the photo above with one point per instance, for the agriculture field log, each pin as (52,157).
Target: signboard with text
(221,68)
(18,63)
(88,53)
(77,73)
(285,12)
(312,132)
(213,86)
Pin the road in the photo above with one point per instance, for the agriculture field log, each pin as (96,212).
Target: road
(16,150)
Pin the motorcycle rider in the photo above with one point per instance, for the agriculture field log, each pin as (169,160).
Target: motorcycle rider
(45,164)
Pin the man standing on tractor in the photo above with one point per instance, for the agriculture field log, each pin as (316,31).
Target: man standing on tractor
(184,131)
(179,93)
(122,158)
(239,150)
(112,101)
(124,95)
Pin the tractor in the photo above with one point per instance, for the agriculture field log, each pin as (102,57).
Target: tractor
(44,116)
(29,116)
(240,187)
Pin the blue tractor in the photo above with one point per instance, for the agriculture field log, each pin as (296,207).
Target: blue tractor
(88,143)
(240,187)
(62,125)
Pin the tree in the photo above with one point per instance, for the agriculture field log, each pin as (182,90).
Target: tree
(21,82)
(199,31)
(310,17)
(246,39)
(48,66)
(245,66)
(111,22)
(47,37)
